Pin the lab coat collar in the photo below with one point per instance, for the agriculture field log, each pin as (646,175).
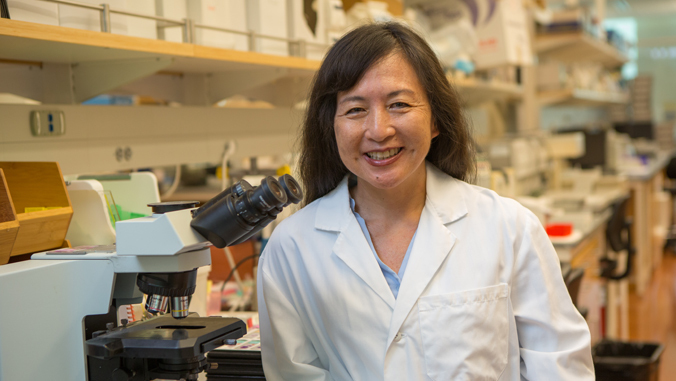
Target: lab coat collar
(445,194)
(445,203)
(440,188)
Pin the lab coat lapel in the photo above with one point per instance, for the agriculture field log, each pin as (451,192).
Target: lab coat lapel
(351,246)
(444,205)
(433,243)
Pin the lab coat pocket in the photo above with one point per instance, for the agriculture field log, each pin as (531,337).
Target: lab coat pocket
(465,334)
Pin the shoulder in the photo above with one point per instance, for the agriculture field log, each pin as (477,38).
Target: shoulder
(447,191)
(295,226)
(297,223)
(484,199)
(484,206)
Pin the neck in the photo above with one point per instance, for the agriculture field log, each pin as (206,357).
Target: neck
(406,200)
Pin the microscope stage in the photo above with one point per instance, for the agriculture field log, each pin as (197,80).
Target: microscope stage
(165,337)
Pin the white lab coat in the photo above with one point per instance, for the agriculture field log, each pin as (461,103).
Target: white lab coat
(482,297)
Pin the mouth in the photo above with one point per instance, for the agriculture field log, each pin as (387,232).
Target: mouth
(384,155)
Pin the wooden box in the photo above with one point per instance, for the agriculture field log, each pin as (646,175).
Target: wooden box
(9,226)
(33,186)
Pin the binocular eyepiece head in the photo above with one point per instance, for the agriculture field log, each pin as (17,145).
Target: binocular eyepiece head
(242,210)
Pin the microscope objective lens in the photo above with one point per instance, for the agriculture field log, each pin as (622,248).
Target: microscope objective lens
(179,306)
(156,303)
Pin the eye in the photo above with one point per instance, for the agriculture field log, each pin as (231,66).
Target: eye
(399,105)
(354,110)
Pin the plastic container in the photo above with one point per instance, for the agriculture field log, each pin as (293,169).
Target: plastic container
(626,361)
(559,229)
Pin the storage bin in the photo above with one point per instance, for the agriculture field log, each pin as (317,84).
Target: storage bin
(626,361)
(229,14)
(90,19)
(36,11)
(9,226)
(269,17)
(39,198)
(307,21)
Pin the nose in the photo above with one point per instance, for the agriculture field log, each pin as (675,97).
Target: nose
(379,126)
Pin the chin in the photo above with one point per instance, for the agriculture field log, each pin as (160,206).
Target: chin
(384,182)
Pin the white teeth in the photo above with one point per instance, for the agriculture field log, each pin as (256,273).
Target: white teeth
(383,155)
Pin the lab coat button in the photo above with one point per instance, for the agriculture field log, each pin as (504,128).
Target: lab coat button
(398,337)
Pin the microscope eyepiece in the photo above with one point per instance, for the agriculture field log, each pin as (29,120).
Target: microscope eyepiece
(268,195)
(294,194)
(241,187)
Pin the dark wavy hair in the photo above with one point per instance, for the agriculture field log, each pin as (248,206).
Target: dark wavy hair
(320,166)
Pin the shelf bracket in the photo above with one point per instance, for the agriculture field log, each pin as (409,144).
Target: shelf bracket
(224,85)
(94,78)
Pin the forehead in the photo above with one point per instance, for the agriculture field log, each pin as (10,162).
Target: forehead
(392,72)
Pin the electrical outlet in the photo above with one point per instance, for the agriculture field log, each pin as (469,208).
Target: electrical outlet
(48,123)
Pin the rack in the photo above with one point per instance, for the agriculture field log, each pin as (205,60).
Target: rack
(102,61)
(578,46)
(27,41)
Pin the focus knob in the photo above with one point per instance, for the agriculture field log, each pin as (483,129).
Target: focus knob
(121,374)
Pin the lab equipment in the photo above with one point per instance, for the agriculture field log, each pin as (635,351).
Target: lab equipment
(560,147)
(65,302)
(619,236)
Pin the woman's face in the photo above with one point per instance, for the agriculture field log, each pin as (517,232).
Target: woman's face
(383,124)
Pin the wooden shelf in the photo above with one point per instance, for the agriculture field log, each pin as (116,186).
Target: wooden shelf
(580,97)
(476,91)
(9,226)
(576,47)
(24,41)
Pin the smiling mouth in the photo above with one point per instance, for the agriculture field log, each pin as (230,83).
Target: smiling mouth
(384,155)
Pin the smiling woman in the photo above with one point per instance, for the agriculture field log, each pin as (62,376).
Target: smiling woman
(397,268)
(389,48)
(383,125)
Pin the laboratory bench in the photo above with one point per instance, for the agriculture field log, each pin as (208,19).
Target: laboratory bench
(582,249)
(651,209)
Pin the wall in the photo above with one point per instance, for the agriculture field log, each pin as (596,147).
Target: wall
(657,56)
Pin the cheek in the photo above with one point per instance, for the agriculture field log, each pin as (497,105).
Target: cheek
(346,139)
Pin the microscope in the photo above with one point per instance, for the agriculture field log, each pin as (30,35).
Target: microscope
(58,311)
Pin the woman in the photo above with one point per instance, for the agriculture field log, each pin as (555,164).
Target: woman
(407,273)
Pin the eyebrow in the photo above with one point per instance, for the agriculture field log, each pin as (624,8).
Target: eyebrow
(390,95)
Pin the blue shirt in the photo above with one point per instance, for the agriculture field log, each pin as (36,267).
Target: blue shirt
(393,279)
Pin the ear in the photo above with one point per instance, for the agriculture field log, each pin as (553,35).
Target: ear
(435,130)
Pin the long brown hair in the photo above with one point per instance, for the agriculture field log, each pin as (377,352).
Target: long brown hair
(320,166)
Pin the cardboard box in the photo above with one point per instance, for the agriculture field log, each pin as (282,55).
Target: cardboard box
(89,19)
(41,205)
(307,21)
(230,14)
(175,10)
(36,11)
(139,27)
(395,7)
(269,17)
(551,76)
(503,34)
